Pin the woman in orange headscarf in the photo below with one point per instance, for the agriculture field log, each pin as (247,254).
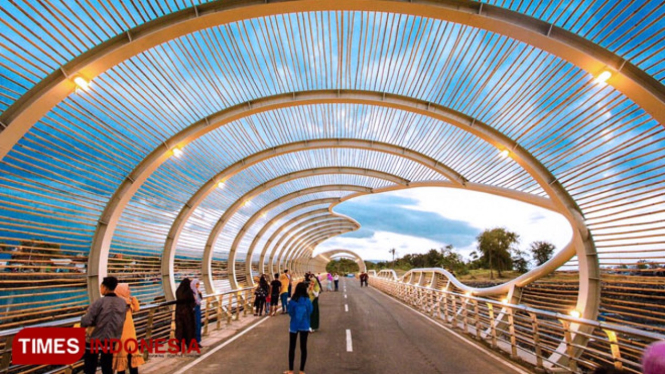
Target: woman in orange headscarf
(123,359)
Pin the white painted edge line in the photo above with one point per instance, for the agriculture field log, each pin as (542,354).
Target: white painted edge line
(198,360)
(346,307)
(465,340)
(349,342)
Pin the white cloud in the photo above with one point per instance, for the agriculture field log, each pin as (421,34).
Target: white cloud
(479,210)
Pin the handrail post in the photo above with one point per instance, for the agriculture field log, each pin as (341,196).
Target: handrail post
(148,331)
(490,308)
(476,310)
(454,319)
(465,315)
(229,309)
(614,346)
(445,308)
(511,329)
(536,340)
(219,311)
(241,302)
(570,351)
(435,302)
(249,300)
(206,317)
(172,333)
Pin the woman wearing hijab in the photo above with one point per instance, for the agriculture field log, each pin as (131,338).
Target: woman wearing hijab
(313,290)
(124,360)
(197,310)
(184,313)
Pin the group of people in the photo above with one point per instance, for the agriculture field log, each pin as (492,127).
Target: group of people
(110,317)
(268,295)
(333,278)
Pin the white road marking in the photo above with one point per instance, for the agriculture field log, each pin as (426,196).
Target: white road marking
(198,360)
(489,353)
(349,343)
(346,308)
(345,296)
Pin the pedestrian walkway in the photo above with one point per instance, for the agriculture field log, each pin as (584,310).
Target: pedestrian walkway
(362,331)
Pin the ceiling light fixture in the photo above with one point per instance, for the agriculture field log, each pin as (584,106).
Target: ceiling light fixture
(81,83)
(603,76)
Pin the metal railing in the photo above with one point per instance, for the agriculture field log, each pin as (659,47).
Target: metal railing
(546,340)
(151,322)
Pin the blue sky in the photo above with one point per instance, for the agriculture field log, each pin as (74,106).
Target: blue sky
(416,220)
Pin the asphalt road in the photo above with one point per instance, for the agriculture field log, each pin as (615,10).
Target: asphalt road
(386,338)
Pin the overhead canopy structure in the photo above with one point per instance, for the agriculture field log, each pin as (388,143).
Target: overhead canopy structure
(319,261)
(162,140)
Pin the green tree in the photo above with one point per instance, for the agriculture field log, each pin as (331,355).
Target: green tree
(520,261)
(495,245)
(542,251)
(342,266)
(452,260)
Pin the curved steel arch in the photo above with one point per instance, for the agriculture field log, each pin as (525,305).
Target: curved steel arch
(315,242)
(333,252)
(352,188)
(267,225)
(318,214)
(587,256)
(300,249)
(312,237)
(299,174)
(290,225)
(308,250)
(207,275)
(304,252)
(310,213)
(291,232)
(289,236)
(230,211)
(297,238)
(199,196)
(630,80)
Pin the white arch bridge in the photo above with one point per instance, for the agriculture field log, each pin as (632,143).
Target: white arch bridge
(159,140)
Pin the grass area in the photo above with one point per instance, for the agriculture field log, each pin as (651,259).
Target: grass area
(483,275)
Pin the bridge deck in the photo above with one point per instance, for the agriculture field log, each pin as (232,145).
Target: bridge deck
(386,337)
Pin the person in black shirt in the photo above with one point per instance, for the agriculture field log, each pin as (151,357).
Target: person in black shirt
(275,287)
